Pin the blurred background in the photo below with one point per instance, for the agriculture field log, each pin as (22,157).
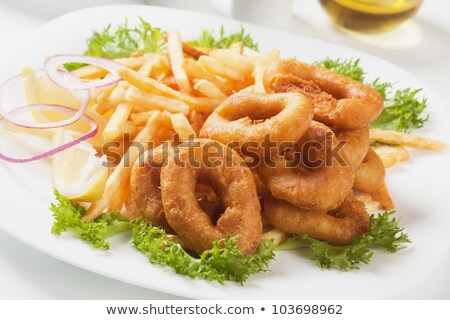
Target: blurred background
(413,34)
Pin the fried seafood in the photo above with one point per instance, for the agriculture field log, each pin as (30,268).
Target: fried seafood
(338,227)
(370,175)
(144,196)
(356,145)
(337,100)
(319,182)
(250,118)
(236,187)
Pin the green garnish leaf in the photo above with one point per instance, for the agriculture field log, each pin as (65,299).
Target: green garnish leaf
(123,42)
(384,233)
(383,88)
(402,112)
(348,68)
(67,215)
(208,40)
(223,262)
(403,109)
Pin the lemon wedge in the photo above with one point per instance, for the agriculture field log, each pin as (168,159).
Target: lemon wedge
(77,172)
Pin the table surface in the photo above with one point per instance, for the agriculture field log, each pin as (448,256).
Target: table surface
(422,47)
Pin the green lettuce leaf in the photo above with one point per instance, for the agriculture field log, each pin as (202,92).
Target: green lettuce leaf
(123,42)
(224,40)
(223,262)
(384,233)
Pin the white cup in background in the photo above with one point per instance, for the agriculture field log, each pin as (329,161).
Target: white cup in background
(193,5)
(273,13)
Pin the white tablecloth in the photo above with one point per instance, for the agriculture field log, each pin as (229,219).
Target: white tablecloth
(422,47)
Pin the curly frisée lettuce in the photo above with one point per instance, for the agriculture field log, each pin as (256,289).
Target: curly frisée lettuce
(123,42)
(67,216)
(224,41)
(403,108)
(221,263)
(126,40)
(348,68)
(384,233)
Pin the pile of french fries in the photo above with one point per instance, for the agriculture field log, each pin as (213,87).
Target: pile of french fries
(173,92)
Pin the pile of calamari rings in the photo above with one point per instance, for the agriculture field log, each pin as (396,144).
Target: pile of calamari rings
(317,125)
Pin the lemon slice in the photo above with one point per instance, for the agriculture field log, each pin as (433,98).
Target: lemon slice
(76,172)
(40,89)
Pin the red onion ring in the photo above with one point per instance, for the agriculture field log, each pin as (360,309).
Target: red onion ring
(52,68)
(85,96)
(57,108)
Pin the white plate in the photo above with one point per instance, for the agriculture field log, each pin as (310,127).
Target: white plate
(419,187)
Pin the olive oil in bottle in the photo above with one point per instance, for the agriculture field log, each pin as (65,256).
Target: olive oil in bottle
(370,15)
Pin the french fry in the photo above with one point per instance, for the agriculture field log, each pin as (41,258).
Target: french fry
(258,74)
(129,127)
(161,66)
(195,70)
(118,200)
(175,50)
(146,69)
(118,119)
(217,68)
(110,99)
(390,155)
(133,62)
(182,126)
(156,65)
(407,140)
(152,86)
(237,47)
(248,52)
(101,94)
(233,60)
(277,236)
(141,118)
(156,102)
(108,114)
(91,72)
(193,51)
(261,65)
(121,173)
(208,89)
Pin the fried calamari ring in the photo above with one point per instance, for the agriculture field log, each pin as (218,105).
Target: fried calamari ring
(337,100)
(356,144)
(337,227)
(144,197)
(323,187)
(235,185)
(370,175)
(249,118)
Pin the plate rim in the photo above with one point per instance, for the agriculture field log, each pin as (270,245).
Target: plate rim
(430,93)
